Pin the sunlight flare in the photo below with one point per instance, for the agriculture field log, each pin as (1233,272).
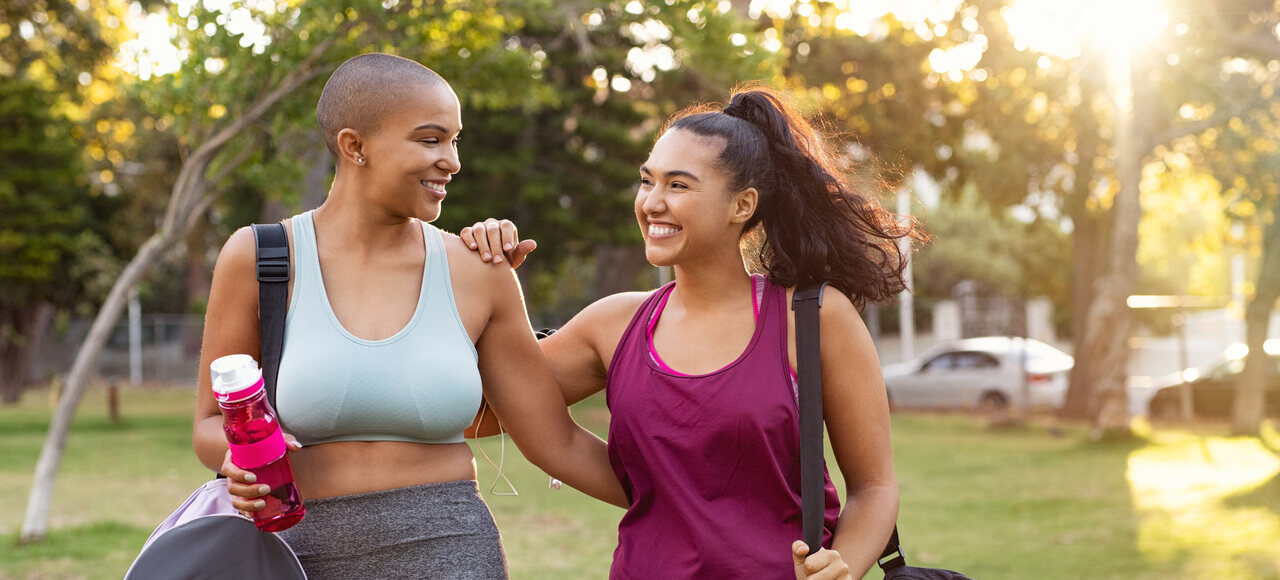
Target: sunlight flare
(1064,29)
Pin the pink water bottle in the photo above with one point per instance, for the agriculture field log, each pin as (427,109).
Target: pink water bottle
(256,441)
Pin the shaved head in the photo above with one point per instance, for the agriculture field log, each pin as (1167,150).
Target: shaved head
(361,92)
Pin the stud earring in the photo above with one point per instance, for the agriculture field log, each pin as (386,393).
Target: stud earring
(360,160)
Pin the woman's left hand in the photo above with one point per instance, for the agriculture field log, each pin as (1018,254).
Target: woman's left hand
(825,565)
(493,239)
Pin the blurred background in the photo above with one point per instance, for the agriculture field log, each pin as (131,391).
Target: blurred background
(1100,179)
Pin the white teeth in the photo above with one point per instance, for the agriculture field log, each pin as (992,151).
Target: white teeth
(657,230)
(436,187)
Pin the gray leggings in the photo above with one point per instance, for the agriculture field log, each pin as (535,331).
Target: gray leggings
(440,530)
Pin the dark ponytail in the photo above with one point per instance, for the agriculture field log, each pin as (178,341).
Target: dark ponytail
(809,224)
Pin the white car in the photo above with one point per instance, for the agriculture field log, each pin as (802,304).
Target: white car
(981,373)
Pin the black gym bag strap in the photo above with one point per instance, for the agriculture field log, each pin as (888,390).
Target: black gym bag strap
(806,302)
(273,285)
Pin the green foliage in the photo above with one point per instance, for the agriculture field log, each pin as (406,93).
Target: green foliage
(566,170)
(1002,126)
(46,228)
(1227,73)
(54,42)
(564,167)
(561,102)
(1006,132)
(1183,239)
(1005,256)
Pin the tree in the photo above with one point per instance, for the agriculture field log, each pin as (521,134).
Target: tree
(1238,49)
(45,225)
(1203,90)
(953,94)
(973,241)
(50,241)
(239,100)
(963,97)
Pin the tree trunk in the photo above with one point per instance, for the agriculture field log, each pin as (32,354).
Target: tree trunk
(36,355)
(37,517)
(15,345)
(19,350)
(1106,347)
(617,268)
(1086,241)
(199,276)
(315,184)
(1249,408)
(1106,342)
(1088,259)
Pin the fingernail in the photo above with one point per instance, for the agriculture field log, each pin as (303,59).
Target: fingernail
(264,489)
(506,246)
(249,477)
(485,255)
(473,246)
(295,444)
(497,259)
(259,504)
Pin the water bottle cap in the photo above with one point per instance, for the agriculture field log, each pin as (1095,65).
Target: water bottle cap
(236,377)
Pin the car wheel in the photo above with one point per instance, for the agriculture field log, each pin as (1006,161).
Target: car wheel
(992,401)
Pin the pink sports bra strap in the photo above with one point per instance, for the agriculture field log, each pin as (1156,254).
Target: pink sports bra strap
(757,295)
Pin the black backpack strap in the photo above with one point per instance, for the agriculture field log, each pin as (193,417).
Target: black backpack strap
(806,301)
(892,556)
(273,285)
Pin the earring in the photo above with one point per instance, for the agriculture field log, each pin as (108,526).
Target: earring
(360,160)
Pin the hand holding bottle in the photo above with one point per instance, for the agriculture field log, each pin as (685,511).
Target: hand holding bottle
(257,460)
(243,484)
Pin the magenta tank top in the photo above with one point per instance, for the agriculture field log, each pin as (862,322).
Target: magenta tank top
(710,463)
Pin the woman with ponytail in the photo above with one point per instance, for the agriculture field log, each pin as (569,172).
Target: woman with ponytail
(699,374)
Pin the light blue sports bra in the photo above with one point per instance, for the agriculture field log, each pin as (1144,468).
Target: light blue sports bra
(420,385)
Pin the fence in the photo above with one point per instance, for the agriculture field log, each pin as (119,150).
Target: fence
(168,350)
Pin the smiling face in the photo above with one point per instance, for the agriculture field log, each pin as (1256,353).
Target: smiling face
(685,207)
(408,160)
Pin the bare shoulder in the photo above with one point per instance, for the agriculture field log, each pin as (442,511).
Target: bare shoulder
(603,322)
(239,254)
(484,293)
(613,309)
(845,335)
(242,247)
(464,263)
(838,309)
(231,316)
(597,330)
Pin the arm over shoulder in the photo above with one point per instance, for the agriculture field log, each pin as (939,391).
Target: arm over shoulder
(524,394)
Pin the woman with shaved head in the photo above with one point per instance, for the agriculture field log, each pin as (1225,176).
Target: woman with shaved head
(393,335)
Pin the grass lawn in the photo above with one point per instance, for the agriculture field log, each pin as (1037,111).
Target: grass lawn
(1023,503)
